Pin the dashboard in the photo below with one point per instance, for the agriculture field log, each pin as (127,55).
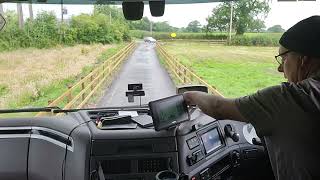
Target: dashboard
(74,146)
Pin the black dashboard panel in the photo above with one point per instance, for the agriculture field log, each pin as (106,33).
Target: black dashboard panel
(73,147)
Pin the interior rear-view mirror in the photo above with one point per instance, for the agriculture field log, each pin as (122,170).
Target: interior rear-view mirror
(185,88)
(157,8)
(133,10)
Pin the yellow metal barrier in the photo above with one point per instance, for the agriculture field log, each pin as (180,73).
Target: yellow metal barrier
(182,73)
(80,93)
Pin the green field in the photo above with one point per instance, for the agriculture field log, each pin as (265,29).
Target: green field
(265,39)
(234,70)
(67,66)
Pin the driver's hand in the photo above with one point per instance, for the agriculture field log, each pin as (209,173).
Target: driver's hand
(190,97)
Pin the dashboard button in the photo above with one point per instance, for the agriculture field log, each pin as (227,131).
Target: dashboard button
(251,153)
(199,155)
(192,142)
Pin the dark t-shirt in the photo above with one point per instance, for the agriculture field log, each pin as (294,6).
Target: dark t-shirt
(288,116)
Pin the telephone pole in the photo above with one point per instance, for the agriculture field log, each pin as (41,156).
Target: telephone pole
(151,24)
(1,9)
(20,15)
(30,11)
(231,15)
(62,13)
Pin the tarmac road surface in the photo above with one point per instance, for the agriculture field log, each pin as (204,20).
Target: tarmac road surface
(142,66)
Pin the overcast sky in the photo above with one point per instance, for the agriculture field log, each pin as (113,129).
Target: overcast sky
(284,13)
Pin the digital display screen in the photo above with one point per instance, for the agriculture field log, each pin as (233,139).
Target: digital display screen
(211,140)
(168,112)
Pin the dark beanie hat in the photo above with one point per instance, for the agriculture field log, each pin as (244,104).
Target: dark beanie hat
(303,37)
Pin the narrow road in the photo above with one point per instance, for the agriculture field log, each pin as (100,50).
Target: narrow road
(143,67)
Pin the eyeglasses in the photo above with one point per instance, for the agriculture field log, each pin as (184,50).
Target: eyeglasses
(279,57)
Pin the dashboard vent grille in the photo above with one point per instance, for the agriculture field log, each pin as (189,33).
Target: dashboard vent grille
(116,166)
(221,165)
(153,165)
(95,115)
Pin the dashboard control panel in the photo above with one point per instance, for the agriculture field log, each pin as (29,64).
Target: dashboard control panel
(197,147)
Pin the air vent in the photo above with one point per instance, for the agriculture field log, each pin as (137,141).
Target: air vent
(116,166)
(94,115)
(153,165)
(220,166)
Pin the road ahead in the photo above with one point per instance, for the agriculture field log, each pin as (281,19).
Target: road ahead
(143,67)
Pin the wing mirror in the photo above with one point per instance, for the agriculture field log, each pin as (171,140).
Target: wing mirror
(185,88)
(2,22)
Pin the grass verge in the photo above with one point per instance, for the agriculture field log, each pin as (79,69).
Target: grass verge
(56,88)
(234,70)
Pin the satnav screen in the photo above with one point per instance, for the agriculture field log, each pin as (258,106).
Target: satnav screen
(169,111)
(211,140)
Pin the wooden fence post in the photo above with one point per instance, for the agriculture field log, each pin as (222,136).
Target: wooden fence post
(184,75)
(91,79)
(191,78)
(69,96)
(82,88)
(49,102)
(109,68)
(103,74)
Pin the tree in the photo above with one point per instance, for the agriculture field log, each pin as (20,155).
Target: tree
(110,11)
(219,20)
(256,26)
(194,26)
(163,27)
(248,14)
(276,29)
(143,24)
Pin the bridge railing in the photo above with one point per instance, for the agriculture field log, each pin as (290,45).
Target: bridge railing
(182,73)
(80,93)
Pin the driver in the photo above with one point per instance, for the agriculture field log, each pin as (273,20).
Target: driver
(288,115)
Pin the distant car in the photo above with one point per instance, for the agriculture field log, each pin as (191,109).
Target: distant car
(149,40)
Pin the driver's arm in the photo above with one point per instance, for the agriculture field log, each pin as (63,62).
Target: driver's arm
(214,106)
(262,109)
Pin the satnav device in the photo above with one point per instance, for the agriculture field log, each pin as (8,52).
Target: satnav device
(168,112)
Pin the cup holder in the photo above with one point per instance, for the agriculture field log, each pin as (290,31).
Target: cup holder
(167,175)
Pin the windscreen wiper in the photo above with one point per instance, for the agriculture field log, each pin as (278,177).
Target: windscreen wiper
(56,109)
(41,109)
(145,106)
